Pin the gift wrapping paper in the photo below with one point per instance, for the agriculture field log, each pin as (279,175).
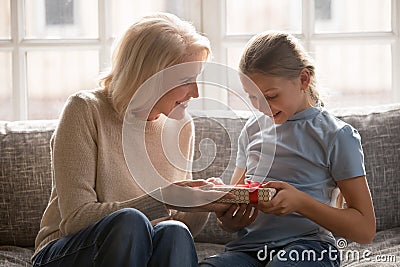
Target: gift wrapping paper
(246,195)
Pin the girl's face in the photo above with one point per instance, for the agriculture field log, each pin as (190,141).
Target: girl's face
(175,101)
(284,96)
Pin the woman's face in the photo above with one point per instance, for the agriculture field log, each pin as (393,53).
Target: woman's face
(175,101)
(280,98)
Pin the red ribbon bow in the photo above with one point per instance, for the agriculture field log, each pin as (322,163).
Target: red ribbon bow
(253,192)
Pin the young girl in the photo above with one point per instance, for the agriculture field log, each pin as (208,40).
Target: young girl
(315,153)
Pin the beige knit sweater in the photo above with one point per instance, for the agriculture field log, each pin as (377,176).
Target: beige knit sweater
(90,176)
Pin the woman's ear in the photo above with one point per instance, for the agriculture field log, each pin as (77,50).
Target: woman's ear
(304,78)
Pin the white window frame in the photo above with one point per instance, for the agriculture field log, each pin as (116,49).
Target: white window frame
(19,46)
(214,24)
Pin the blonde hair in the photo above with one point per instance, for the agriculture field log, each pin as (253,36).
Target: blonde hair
(150,45)
(279,54)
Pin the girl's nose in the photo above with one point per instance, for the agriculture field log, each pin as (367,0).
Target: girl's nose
(264,107)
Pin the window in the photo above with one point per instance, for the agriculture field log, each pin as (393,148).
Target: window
(50,49)
(5,29)
(59,12)
(323,10)
(6,90)
(356,46)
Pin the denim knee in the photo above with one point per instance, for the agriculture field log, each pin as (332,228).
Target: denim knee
(125,238)
(173,245)
(126,223)
(171,229)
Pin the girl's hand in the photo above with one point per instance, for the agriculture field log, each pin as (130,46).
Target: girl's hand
(237,217)
(288,199)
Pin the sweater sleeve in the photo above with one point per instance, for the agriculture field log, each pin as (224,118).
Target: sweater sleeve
(74,163)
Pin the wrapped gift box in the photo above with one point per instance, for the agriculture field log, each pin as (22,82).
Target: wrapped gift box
(246,194)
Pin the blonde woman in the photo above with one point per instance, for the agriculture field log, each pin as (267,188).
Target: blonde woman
(98,214)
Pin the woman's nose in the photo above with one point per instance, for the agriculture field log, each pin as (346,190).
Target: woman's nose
(194,90)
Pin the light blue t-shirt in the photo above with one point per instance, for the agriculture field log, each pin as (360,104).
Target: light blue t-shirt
(313,150)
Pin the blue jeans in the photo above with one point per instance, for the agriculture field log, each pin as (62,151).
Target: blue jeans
(301,253)
(123,238)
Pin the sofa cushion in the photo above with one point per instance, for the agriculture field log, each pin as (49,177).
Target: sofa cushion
(216,138)
(11,256)
(384,251)
(25,179)
(379,128)
(205,250)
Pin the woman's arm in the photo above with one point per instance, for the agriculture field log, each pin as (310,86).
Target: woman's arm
(355,222)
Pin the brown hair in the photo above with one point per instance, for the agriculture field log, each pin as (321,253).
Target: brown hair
(279,54)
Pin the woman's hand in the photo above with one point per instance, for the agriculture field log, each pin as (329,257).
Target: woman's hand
(288,199)
(215,181)
(188,195)
(237,217)
(194,183)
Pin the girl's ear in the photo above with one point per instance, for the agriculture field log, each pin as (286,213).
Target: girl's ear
(304,78)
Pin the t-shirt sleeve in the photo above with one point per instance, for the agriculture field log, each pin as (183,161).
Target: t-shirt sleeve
(346,154)
(241,157)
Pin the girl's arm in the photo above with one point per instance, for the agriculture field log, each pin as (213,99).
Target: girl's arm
(355,222)
(238,176)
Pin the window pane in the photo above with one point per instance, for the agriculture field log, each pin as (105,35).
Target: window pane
(58,19)
(254,16)
(125,12)
(6,108)
(5,32)
(233,58)
(54,75)
(352,16)
(354,78)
